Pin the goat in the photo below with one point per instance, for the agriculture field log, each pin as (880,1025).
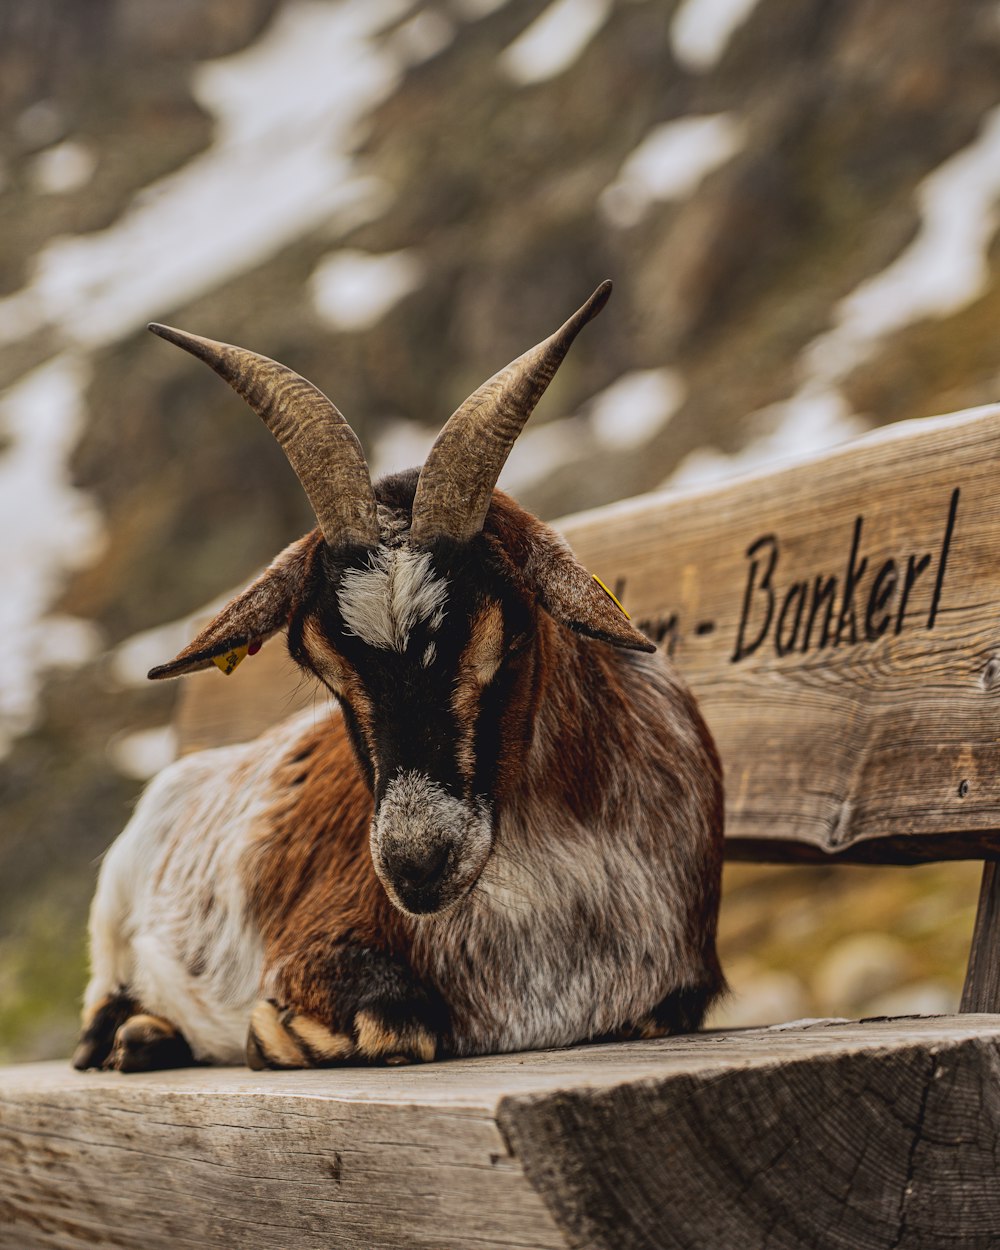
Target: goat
(505,833)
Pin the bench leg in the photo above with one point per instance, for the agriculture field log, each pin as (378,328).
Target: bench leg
(982,980)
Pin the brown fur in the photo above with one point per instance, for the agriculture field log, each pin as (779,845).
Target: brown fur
(310,877)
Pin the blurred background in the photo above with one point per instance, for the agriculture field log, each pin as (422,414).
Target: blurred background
(797,201)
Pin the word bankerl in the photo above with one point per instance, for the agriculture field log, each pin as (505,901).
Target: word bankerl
(830,610)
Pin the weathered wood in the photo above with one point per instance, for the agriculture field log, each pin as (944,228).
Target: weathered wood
(887,1148)
(880,745)
(981,991)
(845,1135)
(876,748)
(217,1158)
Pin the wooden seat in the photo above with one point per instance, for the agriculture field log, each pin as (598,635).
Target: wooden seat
(872,1135)
(839,621)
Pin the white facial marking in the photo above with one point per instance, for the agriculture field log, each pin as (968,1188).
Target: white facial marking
(382,604)
(429,654)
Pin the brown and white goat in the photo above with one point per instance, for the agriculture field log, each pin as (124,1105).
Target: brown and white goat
(505,834)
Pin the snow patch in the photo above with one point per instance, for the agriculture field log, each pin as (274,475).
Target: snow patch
(401,445)
(66,642)
(473,10)
(353,290)
(670,164)
(814,419)
(701,30)
(545,449)
(143,754)
(287,113)
(54,529)
(319,66)
(638,405)
(621,418)
(66,167)
(422,37)
(554,40)
(944,269)
(40,125)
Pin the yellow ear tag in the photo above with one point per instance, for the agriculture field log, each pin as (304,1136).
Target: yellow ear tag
(612,597)
(229,660)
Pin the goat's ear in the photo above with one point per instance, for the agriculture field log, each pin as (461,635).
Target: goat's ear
(260,611)
(573,596)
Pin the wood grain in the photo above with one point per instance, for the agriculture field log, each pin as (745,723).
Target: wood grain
(882,746)
(981,991)
(177,1164)
(890,1147)
(827,1136)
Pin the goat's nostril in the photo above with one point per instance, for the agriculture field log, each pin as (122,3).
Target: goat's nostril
(426,869)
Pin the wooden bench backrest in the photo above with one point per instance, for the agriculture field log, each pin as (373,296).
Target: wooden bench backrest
(838,619)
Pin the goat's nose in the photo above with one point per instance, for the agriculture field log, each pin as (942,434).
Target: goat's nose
(418,871)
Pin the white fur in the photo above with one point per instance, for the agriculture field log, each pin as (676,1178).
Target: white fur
(399,589)
(520,958)
(170,896)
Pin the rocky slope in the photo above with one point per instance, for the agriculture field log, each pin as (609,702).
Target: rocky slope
(796,201)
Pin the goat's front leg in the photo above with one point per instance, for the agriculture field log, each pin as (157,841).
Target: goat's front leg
(349,1004)
(119,1036)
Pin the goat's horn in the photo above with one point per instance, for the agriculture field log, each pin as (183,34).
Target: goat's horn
(321,447)
(456,483)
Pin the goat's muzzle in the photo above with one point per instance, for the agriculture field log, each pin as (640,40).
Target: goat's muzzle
(428,846)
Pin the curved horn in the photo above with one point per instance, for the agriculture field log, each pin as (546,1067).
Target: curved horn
(320,446)
(456,483)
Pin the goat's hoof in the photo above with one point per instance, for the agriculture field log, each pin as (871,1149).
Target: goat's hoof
(101,1023)
(644,1030)
(383,1040)
(147,1043)
(280,1037)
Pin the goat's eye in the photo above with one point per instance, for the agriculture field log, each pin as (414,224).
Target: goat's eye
(516,644)
(326,661)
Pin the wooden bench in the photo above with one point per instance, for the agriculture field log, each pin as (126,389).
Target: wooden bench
(840,623)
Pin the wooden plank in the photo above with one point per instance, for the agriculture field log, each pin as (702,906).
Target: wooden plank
(185,1160)
(981,991)
(881,745)
(887,1148)
(839,622)
(824,1136)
